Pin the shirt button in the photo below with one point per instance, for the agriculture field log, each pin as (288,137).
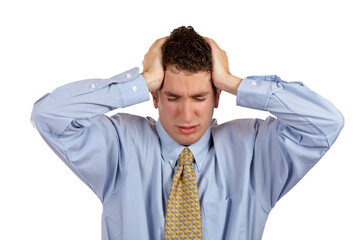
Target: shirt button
(134,88)
(200,164)
(171,162)
(93,85)
(253,83)
(128,75)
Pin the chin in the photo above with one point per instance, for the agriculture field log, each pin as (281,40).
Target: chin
(187,142)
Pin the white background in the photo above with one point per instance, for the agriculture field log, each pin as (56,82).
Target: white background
(45,44)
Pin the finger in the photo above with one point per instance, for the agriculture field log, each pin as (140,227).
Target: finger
(159,42)
(163,39)
(211,42)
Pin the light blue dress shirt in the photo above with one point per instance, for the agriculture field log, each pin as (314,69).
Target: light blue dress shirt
(243,167)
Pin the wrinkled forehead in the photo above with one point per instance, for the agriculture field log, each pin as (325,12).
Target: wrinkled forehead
(176,80)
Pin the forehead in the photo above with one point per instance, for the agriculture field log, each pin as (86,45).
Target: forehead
(178,81)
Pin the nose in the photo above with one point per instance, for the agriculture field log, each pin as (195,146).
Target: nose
(186,112)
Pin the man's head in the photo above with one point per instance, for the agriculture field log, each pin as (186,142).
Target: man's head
(187,98)
(187,51)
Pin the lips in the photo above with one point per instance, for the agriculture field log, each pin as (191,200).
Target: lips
(187,129)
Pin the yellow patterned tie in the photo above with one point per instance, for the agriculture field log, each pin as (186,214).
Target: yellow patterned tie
(183,218)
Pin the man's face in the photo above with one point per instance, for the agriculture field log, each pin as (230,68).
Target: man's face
(186,104)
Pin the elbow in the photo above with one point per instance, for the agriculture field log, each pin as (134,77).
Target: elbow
(48,116)
(337,124)
(340,121)
(38,113)
(36,116)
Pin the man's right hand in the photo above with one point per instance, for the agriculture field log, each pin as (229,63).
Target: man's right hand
(153,70)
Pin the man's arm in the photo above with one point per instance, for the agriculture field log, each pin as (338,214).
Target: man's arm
(71,120)
(287,147)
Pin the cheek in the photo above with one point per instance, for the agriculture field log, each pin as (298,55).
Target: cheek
(205,110)
(167,109)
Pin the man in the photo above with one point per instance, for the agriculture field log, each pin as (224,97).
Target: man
(184,176)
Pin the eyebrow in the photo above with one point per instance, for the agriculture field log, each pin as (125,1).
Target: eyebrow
(197,95)
(170,94)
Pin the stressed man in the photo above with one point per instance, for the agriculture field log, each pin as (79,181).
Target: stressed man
(184,176)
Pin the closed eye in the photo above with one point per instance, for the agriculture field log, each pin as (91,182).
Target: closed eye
(172,99)
(200,99)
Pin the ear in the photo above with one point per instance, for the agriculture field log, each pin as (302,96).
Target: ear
(217,98)
(155,99)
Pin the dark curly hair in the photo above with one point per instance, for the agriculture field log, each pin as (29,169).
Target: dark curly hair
(186,50)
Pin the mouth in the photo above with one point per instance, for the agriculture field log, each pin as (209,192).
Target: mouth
(187,129)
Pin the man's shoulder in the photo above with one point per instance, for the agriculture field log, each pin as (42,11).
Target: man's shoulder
(239,127)
(235,123)
(131,117)
(135,121)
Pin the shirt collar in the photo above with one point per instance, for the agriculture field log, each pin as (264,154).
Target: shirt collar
(171,150)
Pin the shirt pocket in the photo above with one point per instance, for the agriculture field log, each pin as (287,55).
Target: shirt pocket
(215,214)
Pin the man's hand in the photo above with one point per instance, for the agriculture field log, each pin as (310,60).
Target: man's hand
(153,70)
(222,78)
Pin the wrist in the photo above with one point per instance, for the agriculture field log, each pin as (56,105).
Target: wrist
(231,84)
(148,80)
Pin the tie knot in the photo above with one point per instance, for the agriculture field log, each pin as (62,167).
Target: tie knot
(186,157)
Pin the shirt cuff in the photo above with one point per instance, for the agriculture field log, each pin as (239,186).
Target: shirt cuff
(133,87)
(255,91)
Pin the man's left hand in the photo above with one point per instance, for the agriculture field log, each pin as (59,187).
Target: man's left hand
(222,78)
